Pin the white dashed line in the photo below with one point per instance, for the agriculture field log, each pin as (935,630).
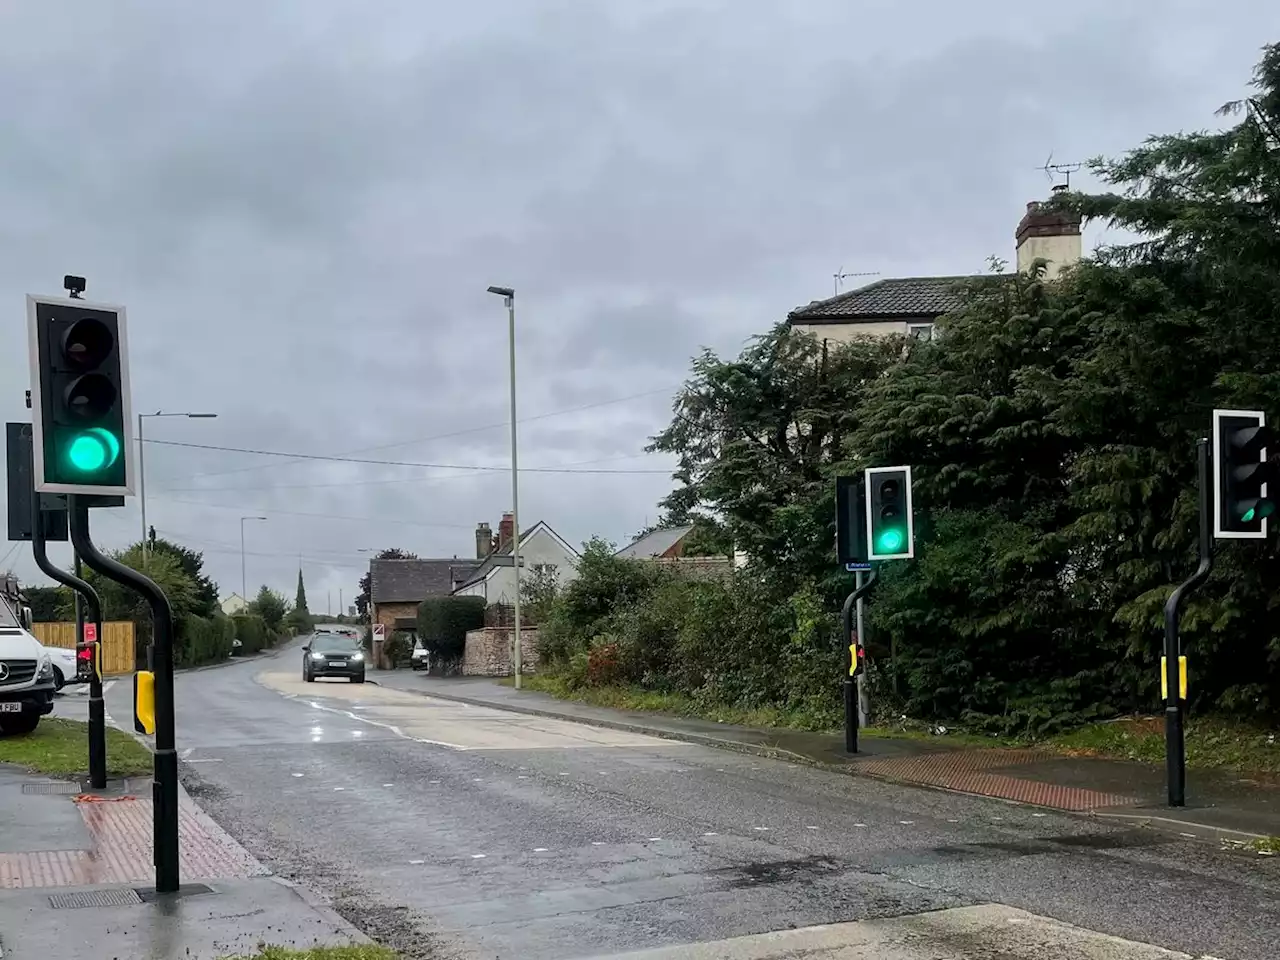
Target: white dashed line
(296,774)
(523,776)
(477,856)
(760,828)
(1039,814)
(811,828)
(711,834)
(417,862)
(339,788)
(906,823)
(997,818)
(475,779)
(859,824)
(597,843)
(539,849)
(950,820)
(654,839)
(433,781)
(388,784)
(564,773)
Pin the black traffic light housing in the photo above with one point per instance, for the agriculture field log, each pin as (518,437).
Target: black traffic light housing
(851,521)
(1244,482)
(82,418)
(890,526)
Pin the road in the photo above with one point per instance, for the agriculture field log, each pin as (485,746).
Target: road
(450,830)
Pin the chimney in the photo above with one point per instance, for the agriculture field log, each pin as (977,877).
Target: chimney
(506,531)
(1051,235)
(484,541)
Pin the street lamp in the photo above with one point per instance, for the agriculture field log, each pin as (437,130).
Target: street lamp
(142,468)
(244,586)
(509,300)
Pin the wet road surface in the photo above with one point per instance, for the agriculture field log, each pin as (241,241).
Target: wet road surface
(451,830)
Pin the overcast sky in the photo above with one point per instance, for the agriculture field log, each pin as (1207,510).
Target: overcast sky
(302,202)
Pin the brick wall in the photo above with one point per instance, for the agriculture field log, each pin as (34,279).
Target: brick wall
(489,652)
(386,613)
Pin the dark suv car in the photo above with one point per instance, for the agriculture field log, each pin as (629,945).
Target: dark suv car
(333,655)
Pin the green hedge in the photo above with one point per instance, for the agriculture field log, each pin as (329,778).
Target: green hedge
(252,632)
(204,640)
(443,623)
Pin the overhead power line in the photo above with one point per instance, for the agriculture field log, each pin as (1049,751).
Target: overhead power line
(319,516)
(299,458)
(389,463)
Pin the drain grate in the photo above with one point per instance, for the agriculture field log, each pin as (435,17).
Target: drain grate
(52,787)
(149,895)
(94,898)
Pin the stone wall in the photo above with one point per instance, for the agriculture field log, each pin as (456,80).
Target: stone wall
(489,652)
(386,614)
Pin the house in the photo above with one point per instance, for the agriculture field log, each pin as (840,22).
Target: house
(657,544)
(396,587)
(911,305)
(494,576)
(233,604)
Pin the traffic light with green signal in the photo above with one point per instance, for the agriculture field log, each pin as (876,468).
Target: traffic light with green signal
(890,528)
(80,407)
(1244,481)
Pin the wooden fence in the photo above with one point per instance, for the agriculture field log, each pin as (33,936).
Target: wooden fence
(117,642)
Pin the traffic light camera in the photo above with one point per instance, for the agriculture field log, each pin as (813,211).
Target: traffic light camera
(80,404)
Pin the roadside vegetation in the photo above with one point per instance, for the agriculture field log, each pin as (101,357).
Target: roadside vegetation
(60,748)
(1051,428)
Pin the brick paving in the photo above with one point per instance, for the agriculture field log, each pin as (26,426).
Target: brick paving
(984,772)
(120,829)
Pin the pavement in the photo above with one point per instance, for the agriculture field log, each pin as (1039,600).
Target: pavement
(1220,805)
(446,829)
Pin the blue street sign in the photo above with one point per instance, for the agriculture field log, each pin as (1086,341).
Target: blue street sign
(854,567)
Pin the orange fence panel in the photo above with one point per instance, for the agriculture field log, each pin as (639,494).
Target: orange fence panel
(117,642)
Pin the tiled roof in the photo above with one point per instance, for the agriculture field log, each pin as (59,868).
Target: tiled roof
(482,569)
(409,581)
(894,299)
(653,544)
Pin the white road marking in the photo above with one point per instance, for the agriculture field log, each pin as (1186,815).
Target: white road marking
(997,818)
(475,779)
(186,753)
(205,760)
(477,856)
(416,862)
(1039,814)
(597,843)
(654,839)
(859,824)
(520,777)
(339,788)
(296,774)
(563,773)
(760,828)
(906,823)
(811,828)
(433,781)
(388,784)
(711,834)
(539,849)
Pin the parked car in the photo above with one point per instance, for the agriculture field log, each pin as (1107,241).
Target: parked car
(26,674)
(333,655)
(419,659)
(64,666)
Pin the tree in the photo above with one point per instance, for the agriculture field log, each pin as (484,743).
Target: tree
(756,438)
(121,603)
(270,606)
(45,602)
(362,596)
(300,599)
(206,590)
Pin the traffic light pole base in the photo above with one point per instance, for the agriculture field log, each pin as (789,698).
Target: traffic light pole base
(853,666)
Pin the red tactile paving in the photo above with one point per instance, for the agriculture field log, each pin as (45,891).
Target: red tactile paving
(121,831)
(970,771)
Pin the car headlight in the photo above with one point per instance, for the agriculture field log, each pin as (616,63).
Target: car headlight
(46,668)
(317,656)
(357,656)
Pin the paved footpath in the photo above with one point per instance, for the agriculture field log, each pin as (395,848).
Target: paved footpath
(1220,805)
(76,881)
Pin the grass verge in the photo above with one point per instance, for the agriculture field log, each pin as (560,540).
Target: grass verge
(60,748)
(1212,742)
(364,951)
(674,704)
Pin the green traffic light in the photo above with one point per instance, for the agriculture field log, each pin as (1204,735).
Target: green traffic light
(889,541)
(93,450)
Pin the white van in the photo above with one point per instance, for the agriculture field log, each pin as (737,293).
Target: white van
(26,674)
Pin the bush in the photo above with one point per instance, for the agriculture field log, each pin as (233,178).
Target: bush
(252,632)
(204,640)
(397,648)
(443,623)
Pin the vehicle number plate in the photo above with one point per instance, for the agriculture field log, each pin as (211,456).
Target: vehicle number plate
(10,708)
(337,663)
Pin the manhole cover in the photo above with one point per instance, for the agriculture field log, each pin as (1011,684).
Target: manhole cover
(52,786)
(94,898)
(149,895)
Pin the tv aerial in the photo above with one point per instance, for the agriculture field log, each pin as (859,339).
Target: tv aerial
(1062,170)
(839,276)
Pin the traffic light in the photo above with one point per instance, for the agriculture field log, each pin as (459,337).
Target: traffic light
(80,407)
(85,655)
(1243,484)
(851,521)
(891,533)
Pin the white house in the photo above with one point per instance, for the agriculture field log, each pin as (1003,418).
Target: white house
(233,604)
(540,547)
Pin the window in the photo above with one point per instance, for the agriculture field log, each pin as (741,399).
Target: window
(920,331)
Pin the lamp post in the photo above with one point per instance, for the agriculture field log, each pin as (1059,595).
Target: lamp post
(142,467)
(244,586)
(509,300)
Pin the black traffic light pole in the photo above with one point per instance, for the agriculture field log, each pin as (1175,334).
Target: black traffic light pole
(164,788)
(1174,706)
(850,638)
(97,711)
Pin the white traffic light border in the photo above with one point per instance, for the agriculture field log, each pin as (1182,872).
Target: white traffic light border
(910,552)
(37,411)
(1218,492)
